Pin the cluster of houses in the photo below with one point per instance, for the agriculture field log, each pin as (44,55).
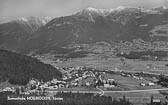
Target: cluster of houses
(8,89)
(147,84)
(36,86)
(126,74)
(80,76)
(72,77)
(76,77)
(90,76)
(106,83)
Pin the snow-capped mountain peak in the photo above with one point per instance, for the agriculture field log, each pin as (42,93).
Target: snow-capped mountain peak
(23,19)
(92,9)
(31,24)
(105,12)
(101,12)
(119,8)
(43,20)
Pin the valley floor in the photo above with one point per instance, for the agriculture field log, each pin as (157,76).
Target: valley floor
(128,84)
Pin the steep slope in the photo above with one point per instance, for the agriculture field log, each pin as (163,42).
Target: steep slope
(93,25)
(32,24)
(19,69)
(14,33)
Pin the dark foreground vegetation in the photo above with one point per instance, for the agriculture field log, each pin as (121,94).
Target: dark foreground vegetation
(163,80)
(69,99)
(19,69)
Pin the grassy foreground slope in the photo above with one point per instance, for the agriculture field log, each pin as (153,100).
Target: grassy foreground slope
(19,69)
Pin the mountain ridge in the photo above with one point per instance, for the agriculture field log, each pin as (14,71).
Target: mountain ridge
(95,25)
(14,33)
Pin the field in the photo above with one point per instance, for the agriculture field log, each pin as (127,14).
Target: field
(131,83)
(112,63)
(75,89)
(124,83)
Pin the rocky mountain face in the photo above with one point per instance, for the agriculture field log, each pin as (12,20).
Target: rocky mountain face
(92,25)
(13,34)
(32,24)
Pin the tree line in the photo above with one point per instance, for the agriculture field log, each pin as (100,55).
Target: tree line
(19,69)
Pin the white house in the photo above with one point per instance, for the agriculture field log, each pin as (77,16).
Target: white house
(8,89)
(151,84)
(142,84)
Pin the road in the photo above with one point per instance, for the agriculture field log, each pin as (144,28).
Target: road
(102,92)
(130,91)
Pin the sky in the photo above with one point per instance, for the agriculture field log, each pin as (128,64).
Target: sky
(13,9)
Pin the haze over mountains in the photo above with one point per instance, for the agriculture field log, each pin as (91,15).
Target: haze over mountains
(87,26)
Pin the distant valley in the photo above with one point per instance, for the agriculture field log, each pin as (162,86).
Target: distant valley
(115,52)
(106,32)
(30,35)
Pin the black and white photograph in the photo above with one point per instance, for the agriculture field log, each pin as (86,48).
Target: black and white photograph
(83,52)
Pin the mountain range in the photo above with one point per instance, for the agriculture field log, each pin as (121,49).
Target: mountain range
(85,27)
(14,33)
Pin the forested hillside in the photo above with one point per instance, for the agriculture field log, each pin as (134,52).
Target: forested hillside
(19,69)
